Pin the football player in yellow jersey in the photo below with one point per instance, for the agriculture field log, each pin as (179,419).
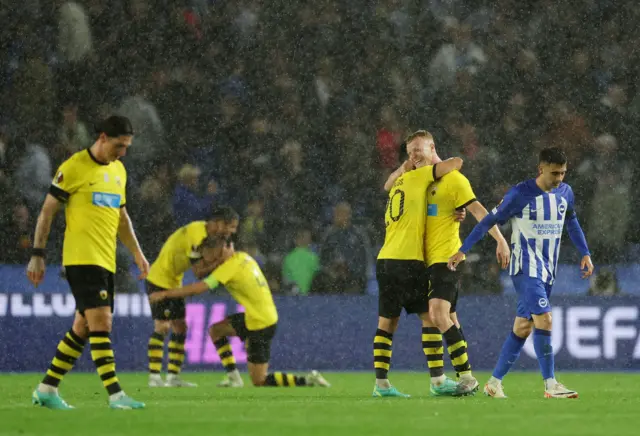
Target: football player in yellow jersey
(244,280)
(451,192)
(92,186)
(178,254)
(400,269)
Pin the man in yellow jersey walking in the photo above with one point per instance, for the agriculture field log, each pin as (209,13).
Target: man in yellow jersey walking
(92,186)
(240,274)
(400,269)
(178,254)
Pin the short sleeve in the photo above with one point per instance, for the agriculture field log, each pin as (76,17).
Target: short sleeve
(425,175)
(66,181)
(123,177)
(511,204)
(462,190)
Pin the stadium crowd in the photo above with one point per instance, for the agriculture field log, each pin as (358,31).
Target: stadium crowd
(295,116)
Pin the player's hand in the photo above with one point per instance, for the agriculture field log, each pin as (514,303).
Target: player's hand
(408,166)
(143,265)
(455,260)
(157,297)
(503,254)
(35,270)
(460,215)
(586,266)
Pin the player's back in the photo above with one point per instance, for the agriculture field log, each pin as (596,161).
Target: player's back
(243,278)
(405,216)
(94,193)
(537,222)
(176,255)
(444,196)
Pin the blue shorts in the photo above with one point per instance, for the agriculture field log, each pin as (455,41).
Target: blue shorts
(533,296)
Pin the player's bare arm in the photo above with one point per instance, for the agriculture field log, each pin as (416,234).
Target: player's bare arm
(128,237)
(406,166)
(449,165)
(503,253)
(36,267)
(186,291)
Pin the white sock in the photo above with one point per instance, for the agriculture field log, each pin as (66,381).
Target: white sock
(172,376)
(494,381)
(466,376)
(550,383)
(154,376)
(47,389)
(437,381)
(116,396)
(383,383)
(234,375)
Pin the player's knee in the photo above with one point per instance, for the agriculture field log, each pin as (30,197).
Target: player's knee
(215,333)
(544,321)
(440,318)
(523,331)
(179,326)
(389,325)
(99,319)
(162,327)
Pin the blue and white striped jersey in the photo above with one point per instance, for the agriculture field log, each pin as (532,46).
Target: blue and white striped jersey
(537,218)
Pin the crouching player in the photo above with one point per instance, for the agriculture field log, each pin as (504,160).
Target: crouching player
(243,279)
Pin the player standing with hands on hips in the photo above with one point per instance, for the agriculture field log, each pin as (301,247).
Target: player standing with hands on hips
(92,186)
(537,209)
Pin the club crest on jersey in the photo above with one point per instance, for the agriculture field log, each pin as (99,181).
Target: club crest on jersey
(167,313)
(118,182)
(543,302)
(59,178)
(562,208)
(104,295)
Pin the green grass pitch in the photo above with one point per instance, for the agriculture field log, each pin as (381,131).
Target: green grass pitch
(608,405)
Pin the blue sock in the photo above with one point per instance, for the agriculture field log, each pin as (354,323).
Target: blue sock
(510,352)
(544,352)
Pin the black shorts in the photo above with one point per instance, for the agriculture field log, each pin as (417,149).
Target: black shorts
(402,284)
(444,284)
(91,285)
(168,309)
(257,342)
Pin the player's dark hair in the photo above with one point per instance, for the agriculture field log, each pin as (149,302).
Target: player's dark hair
(224,213)
(115,126)
(214,242)
(553,155)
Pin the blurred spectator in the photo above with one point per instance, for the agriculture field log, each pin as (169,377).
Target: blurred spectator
(604,283)
(335,278)
(345,241)
(459,54)
(252,225)
(73,135)
(29,167)
(124,281)
(152,212)
(301,264)
(74,37)
(15,235)
(188,204)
